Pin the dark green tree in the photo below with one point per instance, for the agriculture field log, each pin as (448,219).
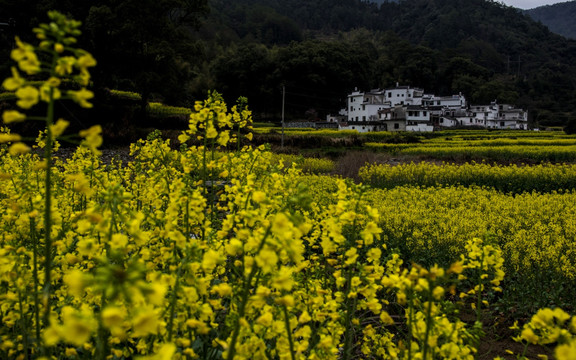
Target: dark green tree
(570,127)
(140,45)
(318,75)
(144,45)
(246,70)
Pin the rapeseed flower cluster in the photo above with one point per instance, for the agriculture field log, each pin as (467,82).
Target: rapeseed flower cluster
(546,327)
(511,153)
(508,179)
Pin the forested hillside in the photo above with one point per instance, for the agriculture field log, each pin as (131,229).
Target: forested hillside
(559,18)
(321,50)
(482,48)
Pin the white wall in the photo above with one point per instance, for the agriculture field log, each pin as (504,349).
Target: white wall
(420,128)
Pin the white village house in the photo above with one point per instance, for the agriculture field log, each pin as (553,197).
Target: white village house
(403,108)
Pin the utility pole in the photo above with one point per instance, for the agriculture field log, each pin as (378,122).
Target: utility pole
(283,100)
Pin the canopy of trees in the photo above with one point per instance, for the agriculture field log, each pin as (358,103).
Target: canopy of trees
(320,51)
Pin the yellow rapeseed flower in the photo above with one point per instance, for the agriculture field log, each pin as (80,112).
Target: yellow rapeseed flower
(166,352)
(14,82)
(438,292)
(386,319)
(81,97)
(304,317)
(265,319)
(528,335)
(85,60)
(92,138)
(258,196)
(222,289)
(146,322)
(267,260)
(210,260)
(59,128)
(49,93)
(27,97)
(156,293)
(26,57)
(566,351)
(113,316)
(5,138)
(51,335)
(18,148)
(286,300)
(75,282)
(21,51)
(64,65)
(77,327)
(11,116)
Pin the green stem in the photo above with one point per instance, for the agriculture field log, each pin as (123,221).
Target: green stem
(174,297)
(289,332)
(410,322)
(429,324)
(238,139)
(47,211)
(479,303)
(244,301)
(350,304)
(23,324)
(241,311)
(212,181)
(34,236)
(184,263)
(350,310)
(204,185)
(101,342)
(479,291)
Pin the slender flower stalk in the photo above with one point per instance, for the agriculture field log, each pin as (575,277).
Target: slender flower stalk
(288,332)
(47,293)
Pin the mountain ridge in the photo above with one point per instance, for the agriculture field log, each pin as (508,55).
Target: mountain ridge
(559,18)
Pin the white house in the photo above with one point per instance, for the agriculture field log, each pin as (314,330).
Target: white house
(500,116)
(403,95)
(403,108)
(394,119)
(418,119)
(506,116)
(364,106)
(452,102)
(363,126)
